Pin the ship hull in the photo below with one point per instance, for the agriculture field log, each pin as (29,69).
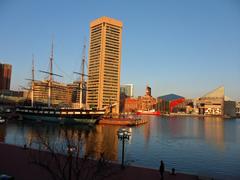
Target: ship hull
(156,113)
(62,116)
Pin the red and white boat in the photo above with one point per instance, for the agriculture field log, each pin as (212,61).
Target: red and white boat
(148,112)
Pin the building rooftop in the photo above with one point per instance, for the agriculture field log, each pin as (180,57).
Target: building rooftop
(218,92)
(170,97)
(106,20)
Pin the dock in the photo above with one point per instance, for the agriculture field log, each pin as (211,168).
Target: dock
(122,121)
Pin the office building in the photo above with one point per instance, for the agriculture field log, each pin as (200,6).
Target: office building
(127,90)
(59,92)
(104,64)
(5,76)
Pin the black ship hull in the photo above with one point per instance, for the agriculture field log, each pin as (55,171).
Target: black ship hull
(62,115)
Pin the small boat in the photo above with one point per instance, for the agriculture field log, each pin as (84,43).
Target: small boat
(122,121)
(148,112)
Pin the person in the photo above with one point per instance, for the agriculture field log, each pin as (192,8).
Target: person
(101,162)
(173,171)
(161,169)
(25,146)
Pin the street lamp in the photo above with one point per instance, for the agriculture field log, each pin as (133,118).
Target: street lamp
(71,150)
(122,135)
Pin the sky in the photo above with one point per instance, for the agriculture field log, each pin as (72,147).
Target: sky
(186,47)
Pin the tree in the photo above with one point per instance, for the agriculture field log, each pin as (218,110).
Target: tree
(65,158)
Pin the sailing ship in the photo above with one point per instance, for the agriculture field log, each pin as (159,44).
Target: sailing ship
(59,115)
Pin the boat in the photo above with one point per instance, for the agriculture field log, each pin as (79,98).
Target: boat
(122,121)
(59,115)
(148,112)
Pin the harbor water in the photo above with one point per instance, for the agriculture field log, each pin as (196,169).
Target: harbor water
(207,146)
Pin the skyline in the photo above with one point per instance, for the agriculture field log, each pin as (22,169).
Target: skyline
(185,41)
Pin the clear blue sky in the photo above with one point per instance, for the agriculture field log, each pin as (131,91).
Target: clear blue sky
(187,47)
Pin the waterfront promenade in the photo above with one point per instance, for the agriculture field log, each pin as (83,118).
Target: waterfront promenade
(14,161)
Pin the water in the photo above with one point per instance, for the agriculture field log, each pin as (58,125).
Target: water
(202,146)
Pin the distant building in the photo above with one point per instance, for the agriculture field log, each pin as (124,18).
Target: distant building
(10,97)
(73,94)
(166,103)
(148,91)
(5,76)
(238,109)
(130,105)
(73,91)
(145,103)
(127,90)
(12,93)
(186,106)
(212,103)
(229,108)
(104,63)
(59,92)
(216,103)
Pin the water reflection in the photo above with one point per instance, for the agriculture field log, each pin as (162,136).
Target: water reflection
(94,140)
(179,140)
(103,140)
(214,131)
(147,131)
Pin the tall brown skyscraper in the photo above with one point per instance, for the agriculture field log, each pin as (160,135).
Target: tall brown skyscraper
(5,76)
(104,63)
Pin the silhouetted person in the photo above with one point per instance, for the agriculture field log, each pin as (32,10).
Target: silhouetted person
(24,146)
(173,171)
(101,162)
(161,169)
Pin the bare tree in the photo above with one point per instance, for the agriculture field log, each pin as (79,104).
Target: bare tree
(66,159)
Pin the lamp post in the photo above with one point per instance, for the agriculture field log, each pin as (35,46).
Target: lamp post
(71,150)
(122,135)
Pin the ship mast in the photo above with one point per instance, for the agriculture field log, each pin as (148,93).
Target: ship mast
(32,80)
(51,74)
(82,82)
(50,77)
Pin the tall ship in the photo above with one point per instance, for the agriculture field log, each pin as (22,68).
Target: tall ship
(62,115)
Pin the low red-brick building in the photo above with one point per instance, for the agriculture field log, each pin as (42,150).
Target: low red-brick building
(146,102)
(130,105)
